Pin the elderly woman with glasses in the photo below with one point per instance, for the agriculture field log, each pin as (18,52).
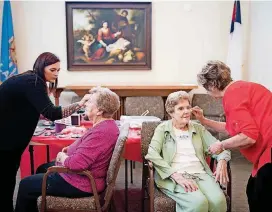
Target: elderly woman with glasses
(177,151)
(91,152)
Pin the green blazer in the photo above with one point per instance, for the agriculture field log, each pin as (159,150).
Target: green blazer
(162,150)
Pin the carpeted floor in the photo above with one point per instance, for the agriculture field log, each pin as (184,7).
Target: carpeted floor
(240,173)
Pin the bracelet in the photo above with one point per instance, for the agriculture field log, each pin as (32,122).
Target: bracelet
(223,148)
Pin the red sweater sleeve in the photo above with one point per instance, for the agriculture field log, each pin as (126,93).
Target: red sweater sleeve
(238,114)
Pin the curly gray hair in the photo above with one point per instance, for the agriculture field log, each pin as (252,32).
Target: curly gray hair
(173,99)
(106,101)
(214,74)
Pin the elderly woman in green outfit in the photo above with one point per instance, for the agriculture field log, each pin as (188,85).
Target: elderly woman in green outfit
(177,151)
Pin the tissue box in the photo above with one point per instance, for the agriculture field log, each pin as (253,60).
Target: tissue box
(136,121)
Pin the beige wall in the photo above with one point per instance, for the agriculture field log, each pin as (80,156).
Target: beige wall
(182,40)
(260,45)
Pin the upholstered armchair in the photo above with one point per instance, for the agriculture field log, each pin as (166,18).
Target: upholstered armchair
(212,109)
(75,99)
(135,106)
(99,202)
(158,201)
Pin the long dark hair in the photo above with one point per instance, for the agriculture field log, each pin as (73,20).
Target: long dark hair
(43,60)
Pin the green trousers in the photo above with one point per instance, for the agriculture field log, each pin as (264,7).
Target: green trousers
(208,198)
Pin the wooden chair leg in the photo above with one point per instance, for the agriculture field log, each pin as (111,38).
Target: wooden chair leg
(112,207)
(143,187)
(131,171)
(126,186)
(229,187)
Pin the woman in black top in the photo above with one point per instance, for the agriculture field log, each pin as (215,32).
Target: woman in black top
(23,98)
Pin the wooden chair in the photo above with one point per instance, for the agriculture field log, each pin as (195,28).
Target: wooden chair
(96,203)
(158,201)
(137,105)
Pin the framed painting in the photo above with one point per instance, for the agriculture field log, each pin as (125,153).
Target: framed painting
(108,36)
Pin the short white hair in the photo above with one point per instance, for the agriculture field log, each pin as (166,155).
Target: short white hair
(174,98)
(106,101)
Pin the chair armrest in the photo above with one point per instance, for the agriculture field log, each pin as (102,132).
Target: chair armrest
(230,179)
(212,164)
(60,169)
(151,185)
(150,165)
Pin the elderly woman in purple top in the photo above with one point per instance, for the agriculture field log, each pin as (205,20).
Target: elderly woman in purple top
(91,152)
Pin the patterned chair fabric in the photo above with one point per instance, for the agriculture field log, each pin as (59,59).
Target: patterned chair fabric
(211,106)
(161,202)
(117,153)
(65,203)
(88,203)
(147,133)
(212,109)
(135,106)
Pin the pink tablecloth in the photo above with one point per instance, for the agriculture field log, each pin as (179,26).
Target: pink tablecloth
(132,149)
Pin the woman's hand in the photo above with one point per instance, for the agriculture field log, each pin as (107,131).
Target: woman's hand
(198,113)
(61,157)
(64,149)
(221,173)
(188,184)
(67,130)
(74,130)
(216,148)
(84,100)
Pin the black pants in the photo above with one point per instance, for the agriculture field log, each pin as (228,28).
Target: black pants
(8,173)
(259,190)
(43,168)
(31,188)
